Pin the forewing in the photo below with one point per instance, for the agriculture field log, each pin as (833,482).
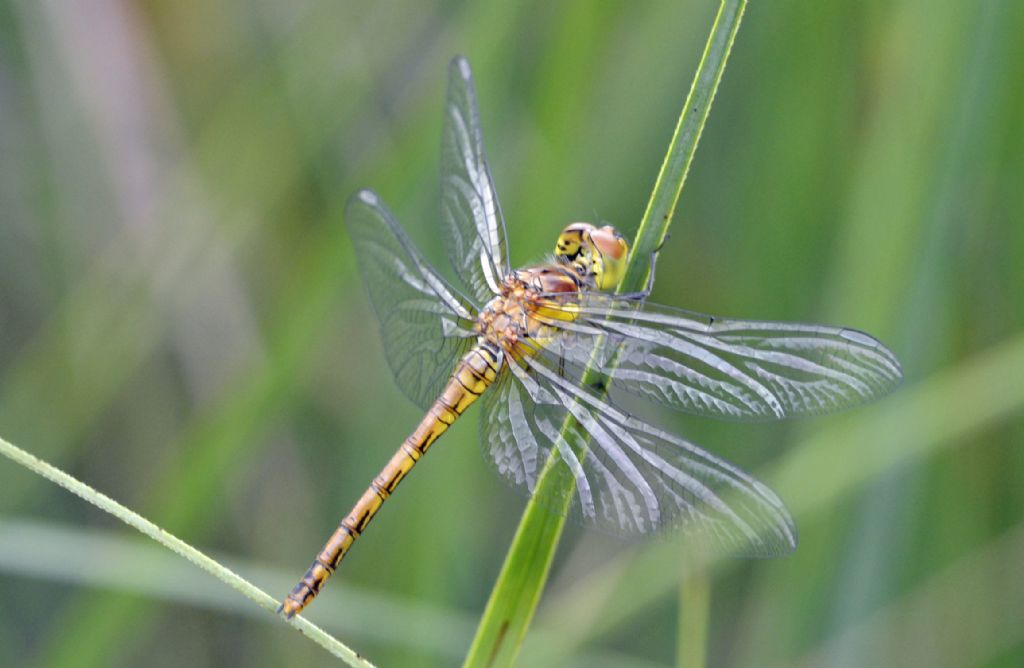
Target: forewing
(733,369)
(629,477)
(424,324)
(471,220)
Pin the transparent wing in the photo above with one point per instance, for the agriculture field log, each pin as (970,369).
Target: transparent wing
(424,324)
(630,477)
(474,230)
(734,369)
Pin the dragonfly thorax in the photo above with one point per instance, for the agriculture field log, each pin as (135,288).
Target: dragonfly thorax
(517,320)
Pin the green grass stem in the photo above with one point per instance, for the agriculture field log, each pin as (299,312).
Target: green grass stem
(694,616)
(517,591)
(181,548)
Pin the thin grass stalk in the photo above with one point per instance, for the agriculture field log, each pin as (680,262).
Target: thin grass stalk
(180,547)
(517,591)
(694,616)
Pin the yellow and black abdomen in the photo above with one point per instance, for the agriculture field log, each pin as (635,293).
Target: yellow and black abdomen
(473,374)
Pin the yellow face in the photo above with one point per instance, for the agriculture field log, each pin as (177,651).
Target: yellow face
(597,253)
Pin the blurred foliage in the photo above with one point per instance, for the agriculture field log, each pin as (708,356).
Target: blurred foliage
(182,326)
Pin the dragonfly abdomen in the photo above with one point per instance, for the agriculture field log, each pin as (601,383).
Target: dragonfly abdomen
(473,374)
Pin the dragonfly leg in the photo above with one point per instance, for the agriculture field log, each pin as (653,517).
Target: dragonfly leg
(646,292)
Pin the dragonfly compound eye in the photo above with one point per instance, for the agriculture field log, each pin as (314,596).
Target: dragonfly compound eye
(612,249)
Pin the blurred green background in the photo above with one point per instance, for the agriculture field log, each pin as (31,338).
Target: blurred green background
(183,327)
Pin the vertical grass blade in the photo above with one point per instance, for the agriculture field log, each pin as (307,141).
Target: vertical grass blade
(517,591)
(180,547)
(694,614)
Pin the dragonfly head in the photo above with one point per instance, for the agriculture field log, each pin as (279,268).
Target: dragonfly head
(597,253)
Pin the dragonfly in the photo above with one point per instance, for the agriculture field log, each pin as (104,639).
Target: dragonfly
(524,339)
